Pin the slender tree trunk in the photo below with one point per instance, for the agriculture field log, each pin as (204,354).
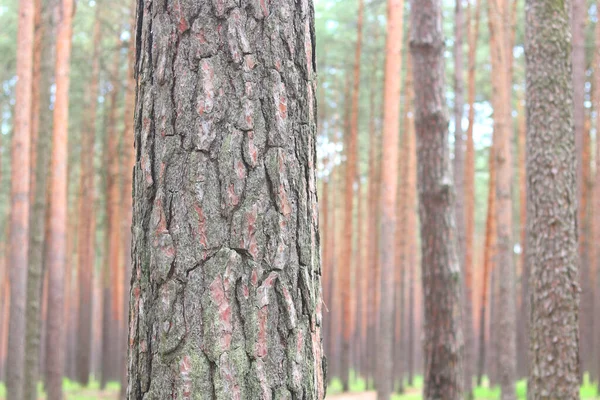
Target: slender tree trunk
(524,295)
(112,306)
(389,182)
(86,231)
(488,266)
(42,122)
(246,195)
(4,307)
(19,201)
(469,193)
(502,157)
(551,204)
(351,168)
(372,236)
(57,240)
(441,268)
(596,208)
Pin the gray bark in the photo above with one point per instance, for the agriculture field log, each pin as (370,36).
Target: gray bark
(226,280)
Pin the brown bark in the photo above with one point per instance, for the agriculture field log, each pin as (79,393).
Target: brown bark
(55,359)
(460,185)
(441,268)
(488,265)
(551,204)
(389,182)
(19,201)
(351,168)
(225,230)
(42,122)
(86,231)
(595,218)
(372,243)
(502,157)
(469,189)
(412,249)
(111,270)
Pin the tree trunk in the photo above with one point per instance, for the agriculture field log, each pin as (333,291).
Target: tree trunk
(389,182)
(488,266)
(86,232)
(551,204)
(441,269)
(351,168)
(469,192)
(57,240)
(524,295)
(502,158)
(42,122)
(596,208)
(19,201)
(226,296)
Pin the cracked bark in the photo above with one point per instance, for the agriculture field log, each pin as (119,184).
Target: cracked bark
(552,249)
(226,283)
(443,341)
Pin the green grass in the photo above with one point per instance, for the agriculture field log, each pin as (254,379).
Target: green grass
(74,391)
(588,390)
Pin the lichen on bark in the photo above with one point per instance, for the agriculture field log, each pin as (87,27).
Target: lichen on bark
(226,279)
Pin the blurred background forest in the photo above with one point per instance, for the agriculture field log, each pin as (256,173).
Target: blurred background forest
(350,97)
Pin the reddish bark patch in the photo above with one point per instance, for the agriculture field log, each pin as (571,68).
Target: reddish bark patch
(201,225)
(261,340)
(185,368)
(219,298)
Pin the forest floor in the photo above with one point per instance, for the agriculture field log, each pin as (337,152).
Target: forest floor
(357,391)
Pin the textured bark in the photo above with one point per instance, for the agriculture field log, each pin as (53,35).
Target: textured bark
(469,193)
(41,121)
(441,268)
(488,266)
(226,294)
(86,231)
(506,329)
(551,204)
(351,168)
(19,201)
(389,182)
(57,239)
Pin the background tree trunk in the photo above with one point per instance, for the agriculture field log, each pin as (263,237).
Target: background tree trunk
(42,121)
(350,170)
(389,182)
(19,202)
(441,268)
(57,240)
(225,231)
(502,157)
(551,203)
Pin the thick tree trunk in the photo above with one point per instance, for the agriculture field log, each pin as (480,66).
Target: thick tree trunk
(57,240)
(226,296)
(43,120)
(86,231)
(503,159)
(350,176)
(389,182)
(551,204)
(441,269)
(19,201)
